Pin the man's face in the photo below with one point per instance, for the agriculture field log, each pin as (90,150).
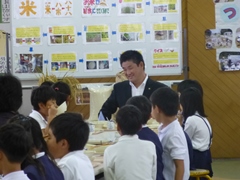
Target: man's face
(133,71)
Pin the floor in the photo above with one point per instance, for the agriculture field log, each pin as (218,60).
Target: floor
(226,169)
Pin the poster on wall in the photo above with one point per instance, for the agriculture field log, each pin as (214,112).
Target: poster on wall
(27,9)
(96,8)
(133,7)
(58,8)
(59,35)
(63,62)
(5,8)
(165,32)
(101,61)
(165,58)
(223,1)
(218,38)
(96,34)
(164,6)
(131,32)
(27,36)
(28,63)
(229,60)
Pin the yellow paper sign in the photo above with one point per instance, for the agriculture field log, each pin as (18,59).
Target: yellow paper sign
(160,27)
(132,1)
(99,28)
(165,61)
(64,57)
(97,56)
(130,28)
(64,30)
(165,55)
(164,1)
(28,32)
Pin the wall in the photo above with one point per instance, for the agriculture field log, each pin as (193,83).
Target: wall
(221,89)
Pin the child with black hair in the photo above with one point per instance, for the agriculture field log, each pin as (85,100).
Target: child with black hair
(47,83)
(63,95)
(68,135)
(165,103)
(130,158)
(10,97)
(144,105)
(37,165)
(15,144)
(43,100)
(197,127)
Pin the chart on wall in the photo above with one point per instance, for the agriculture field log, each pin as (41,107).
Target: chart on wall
(226,37)
(86,38)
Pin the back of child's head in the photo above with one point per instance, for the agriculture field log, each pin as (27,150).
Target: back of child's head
(129,119)
(143,104)
(47,83)
(42,94)
(62,90)
(10,93)
(72,128)
(167,100)
(15,142)
(191,101)
(189,83)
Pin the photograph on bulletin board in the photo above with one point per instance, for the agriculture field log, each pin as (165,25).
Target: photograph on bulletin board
(229,61)
(128,8)
(28,63)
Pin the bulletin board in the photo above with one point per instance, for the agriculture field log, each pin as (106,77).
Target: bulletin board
(3,62)
(85,38)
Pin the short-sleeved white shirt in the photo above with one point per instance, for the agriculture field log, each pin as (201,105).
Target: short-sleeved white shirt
(39,118)
(16,176)
(76,166)
(198,132)
(174,145)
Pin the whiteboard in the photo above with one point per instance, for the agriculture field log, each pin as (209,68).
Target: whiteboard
(85,38)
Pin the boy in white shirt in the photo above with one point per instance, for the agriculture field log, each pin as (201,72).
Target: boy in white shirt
(15,144)
(130,158)
(67,136)
(165,104)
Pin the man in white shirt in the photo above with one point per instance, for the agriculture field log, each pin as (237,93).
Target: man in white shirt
(138,83)
(68,134)
(15,144)
(130,158)
(165,103)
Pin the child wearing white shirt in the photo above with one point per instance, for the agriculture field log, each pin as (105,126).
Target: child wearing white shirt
(15,144)
(68,134)
(130,158)
(165,103)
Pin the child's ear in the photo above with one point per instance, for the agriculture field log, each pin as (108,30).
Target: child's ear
(64,144)
(41,105)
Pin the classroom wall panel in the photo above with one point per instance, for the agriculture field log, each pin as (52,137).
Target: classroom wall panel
(221,89)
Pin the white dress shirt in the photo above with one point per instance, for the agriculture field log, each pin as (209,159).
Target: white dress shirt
(39,118)
(130,159)
(138,91)
(76,166)
(174,145)
(198,132)
(17,175)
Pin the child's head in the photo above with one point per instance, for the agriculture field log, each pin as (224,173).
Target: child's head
(67,132)
(47,83)
(129,120)
(191,101)
(15,144)
(10,93)
(143,104)
(165,101)
(63,92)
(187,84)
(42,99)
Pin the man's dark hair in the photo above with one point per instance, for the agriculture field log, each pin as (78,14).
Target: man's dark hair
(189,83)
(15,142)
(132,55)
(129,119)
(62,90)
(10,93)
(71,127)
(42,94)
(143,104)
(191,100)
(166,99)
